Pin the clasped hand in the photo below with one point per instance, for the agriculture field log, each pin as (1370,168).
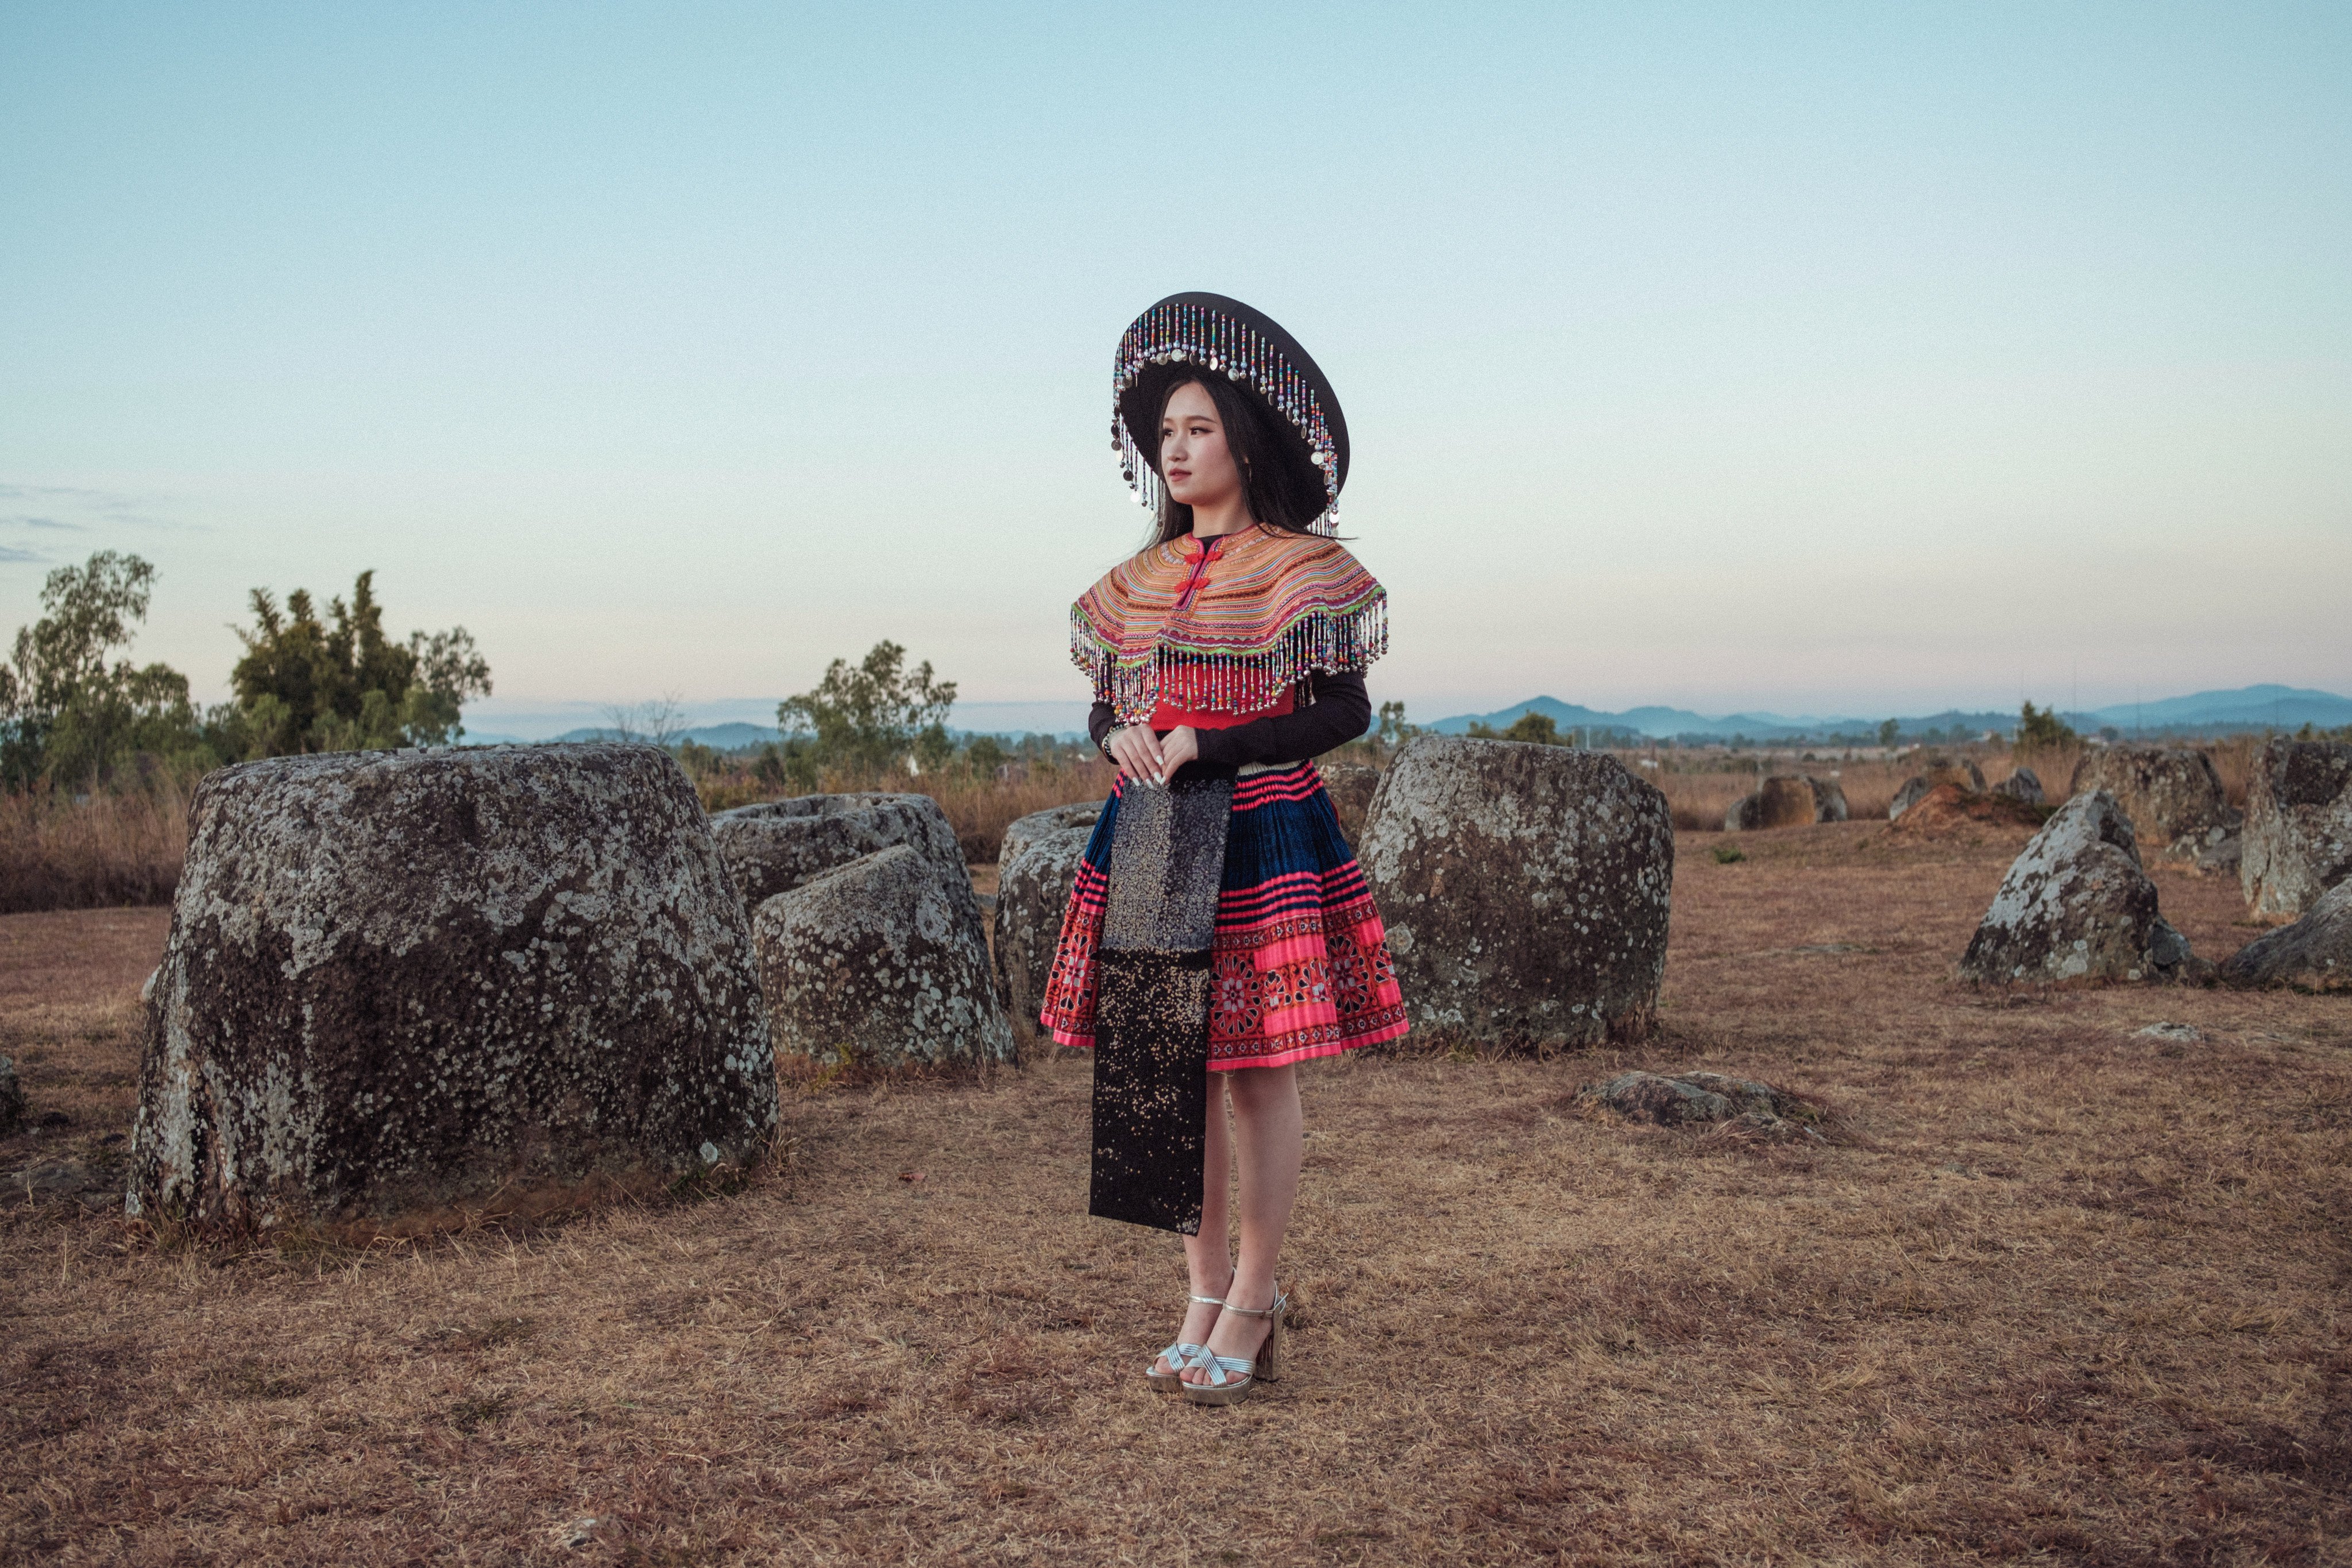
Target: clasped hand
(1140,754)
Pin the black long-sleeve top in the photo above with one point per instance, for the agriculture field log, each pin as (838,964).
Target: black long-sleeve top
(1328,710)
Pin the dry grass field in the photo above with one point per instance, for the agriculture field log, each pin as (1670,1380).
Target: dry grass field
(2054,1292)
(113,849)
(58,852)
(1699,790)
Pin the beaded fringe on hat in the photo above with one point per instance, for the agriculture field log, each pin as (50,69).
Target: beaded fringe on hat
(1179,333)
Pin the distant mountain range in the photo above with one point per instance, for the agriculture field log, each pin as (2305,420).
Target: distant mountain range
(718,736)
(732,737)
(2205,712)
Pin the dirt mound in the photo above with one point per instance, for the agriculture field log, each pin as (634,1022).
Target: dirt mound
(1950,808)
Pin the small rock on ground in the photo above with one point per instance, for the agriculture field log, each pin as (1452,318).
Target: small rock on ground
(2022,783)
(1786,799)
(1684,1099)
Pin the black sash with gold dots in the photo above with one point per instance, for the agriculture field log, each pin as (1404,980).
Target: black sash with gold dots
(1151,1008)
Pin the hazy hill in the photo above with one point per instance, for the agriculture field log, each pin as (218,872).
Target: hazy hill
(2247,708)
(1660,722)
(718,736)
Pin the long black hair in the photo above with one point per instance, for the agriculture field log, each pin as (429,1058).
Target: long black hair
(1281,488)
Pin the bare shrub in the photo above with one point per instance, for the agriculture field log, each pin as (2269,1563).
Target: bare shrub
(2233,759)
(657,721)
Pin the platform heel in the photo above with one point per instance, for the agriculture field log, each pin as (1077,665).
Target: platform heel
(1231,1378)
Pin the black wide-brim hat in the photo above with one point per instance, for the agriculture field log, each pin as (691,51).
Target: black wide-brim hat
(1185,334)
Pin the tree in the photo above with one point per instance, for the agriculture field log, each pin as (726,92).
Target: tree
(1537,729)
(2040,729)
(65,712)
(792,765)
(1890,732)
(875,714)
(985,755)
(1393,730)
(341,685)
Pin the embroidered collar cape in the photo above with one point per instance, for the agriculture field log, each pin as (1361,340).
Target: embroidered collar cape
(1228,635)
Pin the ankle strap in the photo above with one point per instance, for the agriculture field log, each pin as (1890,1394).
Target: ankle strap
(1268,1311)
(1210,1301)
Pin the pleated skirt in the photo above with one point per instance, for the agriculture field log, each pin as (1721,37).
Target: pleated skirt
(1299,962)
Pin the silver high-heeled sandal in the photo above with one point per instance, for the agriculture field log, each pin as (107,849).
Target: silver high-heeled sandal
(1179,1355)
(1231,1378)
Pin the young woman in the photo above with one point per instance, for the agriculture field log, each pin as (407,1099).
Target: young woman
(1219,931)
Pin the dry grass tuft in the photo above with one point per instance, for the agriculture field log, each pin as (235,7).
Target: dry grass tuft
(60,851)
(97,851)
(980,811)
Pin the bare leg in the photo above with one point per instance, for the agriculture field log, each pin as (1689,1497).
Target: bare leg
(1205,1255)
(1270,1143)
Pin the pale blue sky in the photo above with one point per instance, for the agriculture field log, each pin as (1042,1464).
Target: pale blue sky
(1849,359)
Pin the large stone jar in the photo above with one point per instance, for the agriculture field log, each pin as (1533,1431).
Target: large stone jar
(406,985)
(2168,791)
(776,846)
(2077,905)
(1525,890)
(873,966)
(1039,865)
(2298,835)
(1786,799)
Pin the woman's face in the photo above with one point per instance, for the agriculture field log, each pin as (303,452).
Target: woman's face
(1194,461)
